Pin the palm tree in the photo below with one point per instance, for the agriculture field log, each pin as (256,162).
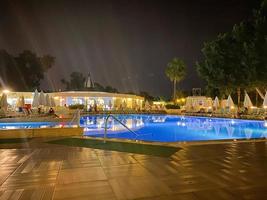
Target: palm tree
(175,71)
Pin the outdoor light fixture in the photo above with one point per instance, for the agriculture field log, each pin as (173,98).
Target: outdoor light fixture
(6,91)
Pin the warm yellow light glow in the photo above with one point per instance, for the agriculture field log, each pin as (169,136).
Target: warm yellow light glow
(232,107)
(6,91)
(56,97)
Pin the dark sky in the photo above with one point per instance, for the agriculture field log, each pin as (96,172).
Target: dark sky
(123,43)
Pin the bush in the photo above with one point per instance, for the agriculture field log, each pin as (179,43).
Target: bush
(172,106)
(76,106)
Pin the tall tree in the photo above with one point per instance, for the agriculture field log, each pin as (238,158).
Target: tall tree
(175,71)
(47,61)
(7,68)
(76,81)
(236,59)
(23,72)
(30,69)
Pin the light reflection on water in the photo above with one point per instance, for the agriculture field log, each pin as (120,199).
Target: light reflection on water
(163,128)
(168,128)
(28,125)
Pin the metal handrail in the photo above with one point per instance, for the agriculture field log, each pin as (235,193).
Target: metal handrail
(115,118)
(76,115)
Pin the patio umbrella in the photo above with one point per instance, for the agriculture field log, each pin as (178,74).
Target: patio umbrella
(42,100)
(247,101)
(147,105)
(230,102)
(3,102)
(265,101)
(124,104)
(216,102)
(35,101)
(20,102)
(47,100)
(52,102)
(110,104)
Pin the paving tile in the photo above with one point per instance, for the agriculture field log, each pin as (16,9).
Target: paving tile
(116,159)
(138,187)
(30,180)
(126,171)
(95,190)
(75,175)
(187,196)
(69,164)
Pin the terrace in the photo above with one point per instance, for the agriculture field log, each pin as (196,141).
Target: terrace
(38,170)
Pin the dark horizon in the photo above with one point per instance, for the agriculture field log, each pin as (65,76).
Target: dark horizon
(123,44)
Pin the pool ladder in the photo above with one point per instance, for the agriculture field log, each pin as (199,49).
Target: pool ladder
(76,116)
(116,119)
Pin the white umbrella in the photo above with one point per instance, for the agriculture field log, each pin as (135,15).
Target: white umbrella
(124,104)
(230,102)
(110,104)
(47,100)
(147,105)
(42,100)
(52,101)
(35,101)
(265,101)
(247,101)
(20,102)
(3,102)
(216,102)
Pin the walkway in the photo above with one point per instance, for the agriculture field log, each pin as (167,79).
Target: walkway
(224,171)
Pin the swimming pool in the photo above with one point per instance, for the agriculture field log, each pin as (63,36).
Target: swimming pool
(173,128)
(160,128)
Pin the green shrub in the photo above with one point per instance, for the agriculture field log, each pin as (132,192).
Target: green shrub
(76,106)
(172,106)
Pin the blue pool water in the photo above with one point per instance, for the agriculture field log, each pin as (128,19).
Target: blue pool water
(161,128)
(170,128)
(24,125)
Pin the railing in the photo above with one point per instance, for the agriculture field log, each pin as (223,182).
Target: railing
(116,119)
(77,116)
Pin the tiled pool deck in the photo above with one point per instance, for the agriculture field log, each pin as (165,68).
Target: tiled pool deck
(215,171)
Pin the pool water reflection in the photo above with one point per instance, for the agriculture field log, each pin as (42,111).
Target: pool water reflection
(170,128)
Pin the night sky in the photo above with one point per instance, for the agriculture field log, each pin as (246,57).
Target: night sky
(125,44)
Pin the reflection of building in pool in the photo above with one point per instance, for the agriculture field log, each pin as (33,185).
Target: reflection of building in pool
(196,124)
(97,123)
(159,119)
(104,100)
